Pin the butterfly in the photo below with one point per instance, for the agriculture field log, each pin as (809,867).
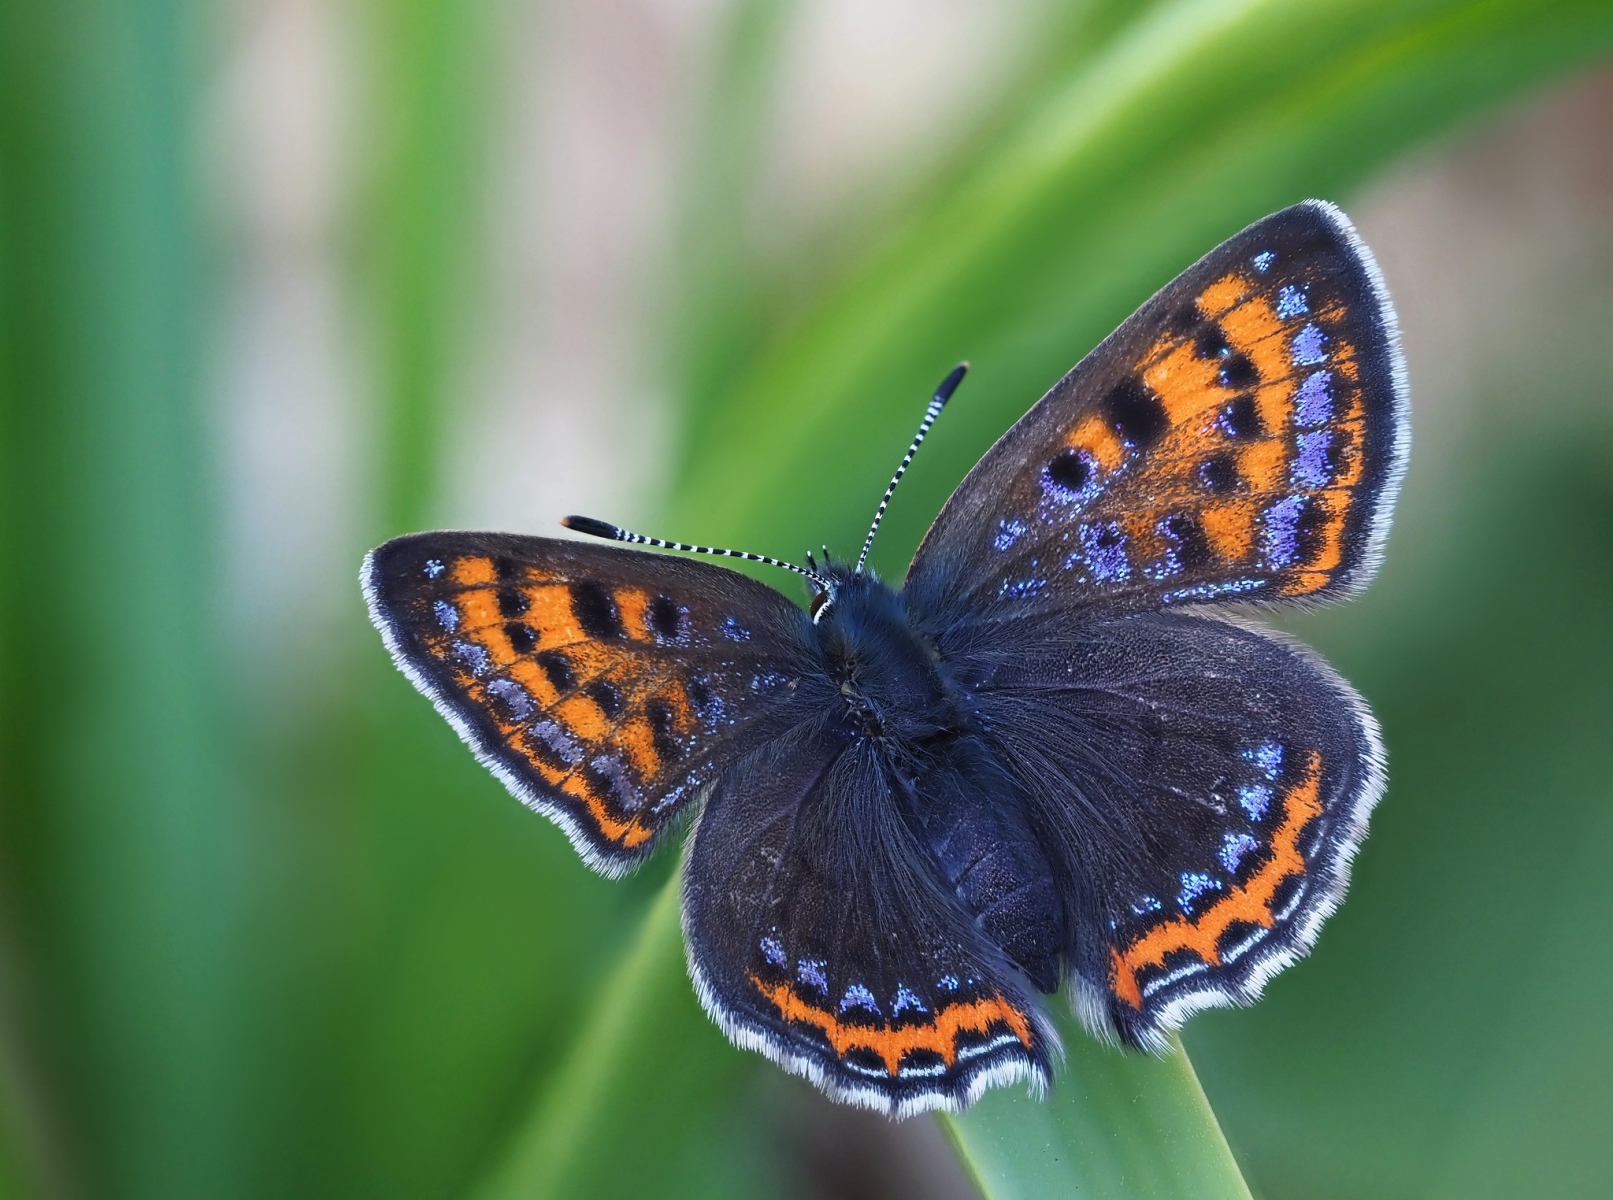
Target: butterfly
(1054,756)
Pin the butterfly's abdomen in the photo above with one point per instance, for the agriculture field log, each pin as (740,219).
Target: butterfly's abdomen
(975,827)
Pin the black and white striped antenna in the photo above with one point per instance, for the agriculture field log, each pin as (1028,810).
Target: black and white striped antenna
(942,395)
(603,529)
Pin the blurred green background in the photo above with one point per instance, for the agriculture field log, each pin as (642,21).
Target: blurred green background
(282,278)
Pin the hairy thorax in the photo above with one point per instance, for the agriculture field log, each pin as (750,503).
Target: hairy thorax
(888,673)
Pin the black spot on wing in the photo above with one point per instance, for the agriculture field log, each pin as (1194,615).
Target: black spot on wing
(512,602)
(1186,320)
(1285,891)
(1219,475)
(699,693)
(1235,935)
(539,748)
(660,717)
(1069,471)
(1135,413)
(523,638)
(605,694)
(1309,529)
(1238,371)
(595,610)
(865,1061)
(1187,538)
(665,618)
(1211,342)
(922,1060)
(559,670)
(1241,418)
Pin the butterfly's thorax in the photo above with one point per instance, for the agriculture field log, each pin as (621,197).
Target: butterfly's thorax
(888,673)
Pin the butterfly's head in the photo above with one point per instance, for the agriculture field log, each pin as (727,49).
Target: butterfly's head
(826,583)
(840,591)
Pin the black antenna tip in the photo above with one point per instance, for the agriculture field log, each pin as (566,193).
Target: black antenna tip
(592,528)
(950,383)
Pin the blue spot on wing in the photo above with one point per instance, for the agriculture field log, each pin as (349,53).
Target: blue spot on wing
(1307,346)
(1194,885)
(1103,552)
(1009,531)
(1210,591)
(1021,589)
(474,657)
(1312,468)
(810,971)
(1268,756)
(447,615)
(905,999)
(1280,537)
(1313,401)
(517,701)
(857,996)
(1291,302)
(1254,799)
(1234,846)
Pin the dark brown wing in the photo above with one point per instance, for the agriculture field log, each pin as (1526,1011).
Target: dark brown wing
(820,934)
(1241,436)
(605,687)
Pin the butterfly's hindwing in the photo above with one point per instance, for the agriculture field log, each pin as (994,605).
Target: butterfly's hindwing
(819,934)
(1201,787)
(605,687)
(1239,438)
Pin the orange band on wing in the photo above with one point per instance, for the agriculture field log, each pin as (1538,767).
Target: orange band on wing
(625,833)
(1249,901)
(939,1036)
(1223,294)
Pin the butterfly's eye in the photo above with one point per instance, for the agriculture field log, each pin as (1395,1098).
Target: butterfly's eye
(819,603)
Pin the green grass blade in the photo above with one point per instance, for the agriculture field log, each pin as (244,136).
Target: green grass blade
(120,827)
(643,1094)
(1116,1125)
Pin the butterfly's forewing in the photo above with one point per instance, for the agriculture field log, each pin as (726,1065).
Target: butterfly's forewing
(1241,436)
(1201,787)
(604,687)
(818,933)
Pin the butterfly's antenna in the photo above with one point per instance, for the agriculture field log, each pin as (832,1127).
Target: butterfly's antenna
(942,395)
(603,529)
